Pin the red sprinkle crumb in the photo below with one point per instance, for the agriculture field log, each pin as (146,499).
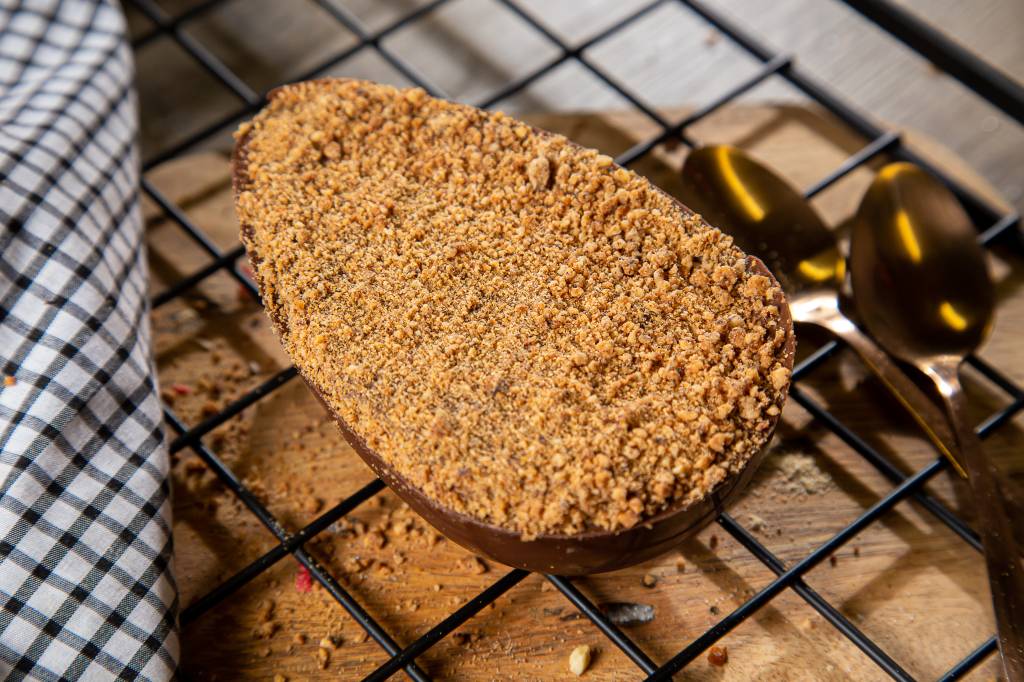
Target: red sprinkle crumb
(181,389)
(303,580)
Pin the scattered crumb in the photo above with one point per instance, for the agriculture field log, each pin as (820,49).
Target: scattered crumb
(718,655)
(680,566)
(624,613)
(579,660)
(323,658)
(476,565)
(800,474)
(330,642)
(649,580)
(713,610)
(756,523)
(713,542)
(833,560)
(299,638)
(312,505)
(10,380)
(280,678)
(856,551)
(374,539)
(266,611)
(360,637)
(266,629)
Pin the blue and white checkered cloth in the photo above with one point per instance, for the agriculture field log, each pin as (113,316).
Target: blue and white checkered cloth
(86,590)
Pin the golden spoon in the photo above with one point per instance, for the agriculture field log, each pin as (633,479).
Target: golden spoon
(922,289)
(768,218)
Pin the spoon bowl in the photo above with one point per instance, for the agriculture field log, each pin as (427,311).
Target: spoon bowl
(917,268)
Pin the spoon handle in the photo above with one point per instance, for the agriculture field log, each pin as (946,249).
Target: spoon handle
(998,512)
(926,413)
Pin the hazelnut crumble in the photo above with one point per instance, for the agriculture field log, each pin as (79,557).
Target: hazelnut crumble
(527,333)
(579,660)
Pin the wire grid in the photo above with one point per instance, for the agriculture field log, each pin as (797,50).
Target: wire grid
(991,224)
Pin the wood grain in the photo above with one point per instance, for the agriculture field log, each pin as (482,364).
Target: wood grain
(906,581)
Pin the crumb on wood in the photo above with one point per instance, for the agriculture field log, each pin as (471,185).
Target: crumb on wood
(374,539)
(718,655)
(680,566)
(796,475)
(266,629)
(756,523)
(649,580)
(323,658)
(579,660)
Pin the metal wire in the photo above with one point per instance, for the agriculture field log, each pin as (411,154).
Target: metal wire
(993,227)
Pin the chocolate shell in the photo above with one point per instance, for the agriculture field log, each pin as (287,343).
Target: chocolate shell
(580,554)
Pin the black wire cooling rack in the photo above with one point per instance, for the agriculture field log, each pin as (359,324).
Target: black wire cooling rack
(992,226)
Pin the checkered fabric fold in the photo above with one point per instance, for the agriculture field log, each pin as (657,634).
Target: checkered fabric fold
(86,590)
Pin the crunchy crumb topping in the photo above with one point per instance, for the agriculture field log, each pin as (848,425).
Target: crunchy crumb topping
(529,334)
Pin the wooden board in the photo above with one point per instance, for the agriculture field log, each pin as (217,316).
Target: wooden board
(906,581)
